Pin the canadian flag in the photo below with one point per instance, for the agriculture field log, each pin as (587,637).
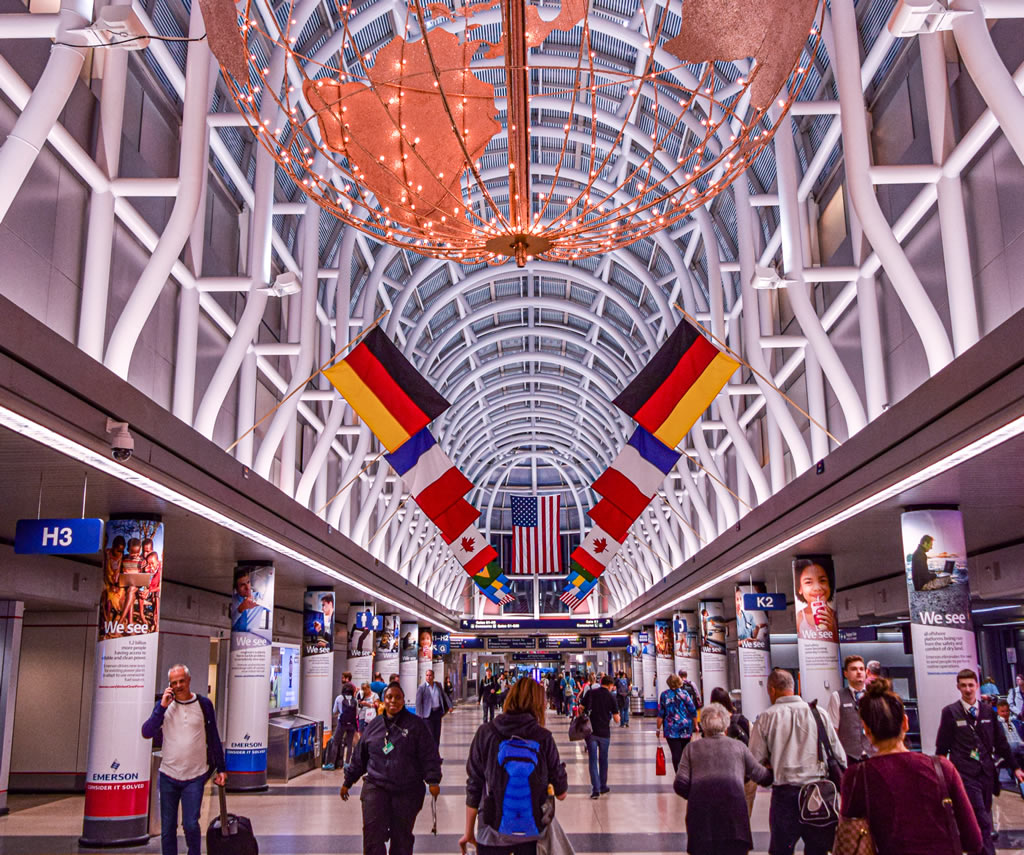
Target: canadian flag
(596,551)
(472,550)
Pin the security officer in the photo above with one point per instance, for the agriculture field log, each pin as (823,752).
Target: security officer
(843,710)
(397,754)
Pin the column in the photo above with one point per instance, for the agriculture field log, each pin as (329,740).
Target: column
(360,644)
(441,645)
(252,624)
(753,646)
(407,662)
(316,691)
(686,645)
(386,659)
(941,631)
(817,630)
(650,684)
(636,651)
(713,659)
(117,777)
(663,654)
(11,612)
(424,655)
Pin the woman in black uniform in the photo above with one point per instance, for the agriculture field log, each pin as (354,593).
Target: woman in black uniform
(397,754)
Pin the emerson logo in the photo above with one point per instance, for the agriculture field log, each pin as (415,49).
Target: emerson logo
(115,775)
(115,765)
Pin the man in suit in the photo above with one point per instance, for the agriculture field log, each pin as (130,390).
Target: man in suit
(969,734)
(432,704)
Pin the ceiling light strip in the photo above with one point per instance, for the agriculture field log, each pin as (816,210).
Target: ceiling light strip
(971,450)
(45,436)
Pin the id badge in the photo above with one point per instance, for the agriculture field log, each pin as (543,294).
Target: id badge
(975,754)
(389,747)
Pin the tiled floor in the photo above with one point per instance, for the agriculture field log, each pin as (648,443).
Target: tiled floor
(306,817)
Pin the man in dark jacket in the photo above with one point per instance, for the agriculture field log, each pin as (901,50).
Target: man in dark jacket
(969,734)
(186,724)
(488,695)
(602,707)
(397,753)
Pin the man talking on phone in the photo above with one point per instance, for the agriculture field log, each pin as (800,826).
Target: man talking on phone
(186,724)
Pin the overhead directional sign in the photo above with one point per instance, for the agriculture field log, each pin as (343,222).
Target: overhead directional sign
(58,537)
(764,602)
(504,625)
(368,620)
(858,633)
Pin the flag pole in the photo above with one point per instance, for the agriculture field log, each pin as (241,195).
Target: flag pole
(302,385)
(686,522)
(350,482)
(755,372)
(387,522)
(718,480)
(427,543)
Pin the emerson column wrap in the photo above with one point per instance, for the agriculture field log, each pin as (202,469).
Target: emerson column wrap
(407,669)
(713,657)
(252,624)
(117,778)
(686,645)
(753,645)
(316,694)
(817,627)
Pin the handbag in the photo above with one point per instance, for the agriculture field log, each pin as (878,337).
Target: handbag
(952,829)
(580,727)
(853,834)
(659,761)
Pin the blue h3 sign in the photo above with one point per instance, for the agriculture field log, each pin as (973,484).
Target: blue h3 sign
(764,602)
(58,537)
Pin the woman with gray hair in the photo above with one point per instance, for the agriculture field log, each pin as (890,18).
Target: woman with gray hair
(710,777)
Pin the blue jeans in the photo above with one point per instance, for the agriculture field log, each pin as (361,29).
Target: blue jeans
(623,701)
(597,748)
(190,795)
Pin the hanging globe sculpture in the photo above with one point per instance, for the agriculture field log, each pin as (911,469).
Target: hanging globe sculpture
(466,137)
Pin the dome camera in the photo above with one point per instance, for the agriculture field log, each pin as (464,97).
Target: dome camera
(121,443)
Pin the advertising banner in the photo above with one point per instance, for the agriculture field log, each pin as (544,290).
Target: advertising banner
(360,644)
(650,683)
(424,655)
(753,645)
(636,651)
(317,687)
(686,645)
(408,648)
(386,660)
(663,653)
(935,556)
(817,630)
(118,769)
(249,675)
(714,663)
(442,646)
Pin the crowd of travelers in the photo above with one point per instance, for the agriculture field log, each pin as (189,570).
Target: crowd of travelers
(842,778)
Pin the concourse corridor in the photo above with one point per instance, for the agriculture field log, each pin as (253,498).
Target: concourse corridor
(641,815)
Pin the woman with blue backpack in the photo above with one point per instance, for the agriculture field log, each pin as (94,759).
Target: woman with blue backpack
(513,760)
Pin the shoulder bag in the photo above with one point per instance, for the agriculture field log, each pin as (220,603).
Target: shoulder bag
(952,829)
(853,834)
(819,800)
(580,727)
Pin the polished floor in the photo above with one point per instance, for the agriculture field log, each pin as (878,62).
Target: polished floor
(306,817)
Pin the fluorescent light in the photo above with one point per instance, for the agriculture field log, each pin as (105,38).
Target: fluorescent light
(994,609)
(969,451)
(43,435)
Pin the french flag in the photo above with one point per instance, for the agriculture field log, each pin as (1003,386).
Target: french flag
(636,473)
(429,474)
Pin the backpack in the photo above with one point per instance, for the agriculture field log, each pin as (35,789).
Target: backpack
(517,787)
(347,716)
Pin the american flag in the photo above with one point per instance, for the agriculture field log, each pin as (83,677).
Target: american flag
(535,542)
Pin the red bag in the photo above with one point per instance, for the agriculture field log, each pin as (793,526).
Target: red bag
(659,761)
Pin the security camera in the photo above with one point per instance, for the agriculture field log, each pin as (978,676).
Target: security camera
(121,443)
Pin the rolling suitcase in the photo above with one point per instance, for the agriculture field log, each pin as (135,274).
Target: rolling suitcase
(229,834)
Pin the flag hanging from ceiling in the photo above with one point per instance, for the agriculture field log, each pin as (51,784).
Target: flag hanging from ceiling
(636,473)
(596,551)
(577,590)
(472,551)
(386,390)
(494,584)
(677,385)
(454,521)
(612,519)
(535,541)
(429,474)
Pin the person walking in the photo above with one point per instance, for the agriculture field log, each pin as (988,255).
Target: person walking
(843,710)
(431,705)
(186,725)
(488,695)
(602,707)
(711,776)
(568,692)
(690,687)
(512,762)
(1012,736)
(785,737)
(346,709)
(1015,698)
(969,735)
(676,715)
(367,701)
(901,793)
(622,698)
(739,729)
(397,754)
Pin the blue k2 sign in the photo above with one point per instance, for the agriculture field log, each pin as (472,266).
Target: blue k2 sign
(58,537)
(764,602)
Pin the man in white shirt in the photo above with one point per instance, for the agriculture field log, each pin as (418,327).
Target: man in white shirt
(432,704)
(785,737)
(187,725)
(1015,698)
(844,712)
(1012,737)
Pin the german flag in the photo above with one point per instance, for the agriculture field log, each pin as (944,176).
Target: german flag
(677,385)
(386,390)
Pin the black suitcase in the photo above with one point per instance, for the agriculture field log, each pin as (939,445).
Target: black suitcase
(229,834)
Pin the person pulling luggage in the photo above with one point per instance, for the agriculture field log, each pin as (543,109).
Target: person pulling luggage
(397,754)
